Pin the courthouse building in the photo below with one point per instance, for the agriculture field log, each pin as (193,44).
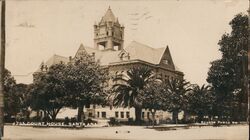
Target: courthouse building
(110,51)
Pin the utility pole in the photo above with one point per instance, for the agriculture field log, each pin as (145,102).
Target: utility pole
(2,61)
(248,68)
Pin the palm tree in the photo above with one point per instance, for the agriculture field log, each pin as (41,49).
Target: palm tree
(176,90)
(129,88)
(201,100)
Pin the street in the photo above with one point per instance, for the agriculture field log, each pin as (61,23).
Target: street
(239,132)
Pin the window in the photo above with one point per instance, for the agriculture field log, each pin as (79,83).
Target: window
(103,114)
(116,114)
(90,114)
(98,114)
(127,114)
(142,115)
(122,114)
(122,56)
(166,61)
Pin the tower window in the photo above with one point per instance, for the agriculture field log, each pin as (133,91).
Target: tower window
(116,48)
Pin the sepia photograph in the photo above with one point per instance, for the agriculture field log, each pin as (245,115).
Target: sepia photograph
(124,69)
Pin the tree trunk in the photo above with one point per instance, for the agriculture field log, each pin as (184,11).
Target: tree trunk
(54,113)
(186,116)
(175,117)
(153,116)
(138,111)
(80,113)
(37,114)
(27,114)
(53,117)
(200,118)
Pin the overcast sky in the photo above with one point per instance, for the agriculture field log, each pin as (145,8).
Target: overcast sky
(37,29)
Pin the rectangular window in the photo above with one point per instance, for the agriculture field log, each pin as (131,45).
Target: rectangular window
(127,114)
(103,114)
(90,114)
(142,115)
(116,114)
(122,114)
(98,114)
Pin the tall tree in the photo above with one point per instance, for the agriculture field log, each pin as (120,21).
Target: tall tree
(85,82)
(130,87)
(228,74)
(48,93)
(153,98)
(11,100)
(176,91)
(21,92)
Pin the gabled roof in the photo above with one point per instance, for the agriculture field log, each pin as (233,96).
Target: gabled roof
(143,52)
(134,51)
(55,59)
(104,57)
(109,16)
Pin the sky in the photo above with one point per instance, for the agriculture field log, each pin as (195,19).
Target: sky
(38,29)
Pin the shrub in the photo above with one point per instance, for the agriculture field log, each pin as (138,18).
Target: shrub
(113,121)
(66,121)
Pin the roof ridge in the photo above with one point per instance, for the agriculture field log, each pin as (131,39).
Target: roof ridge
(142,44)
(59,55)
(109,16)
(91,48)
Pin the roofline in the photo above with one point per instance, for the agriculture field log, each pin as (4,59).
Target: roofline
(165,48)
(145,45)
(143,62)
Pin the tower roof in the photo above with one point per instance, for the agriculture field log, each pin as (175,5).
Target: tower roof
(109,16)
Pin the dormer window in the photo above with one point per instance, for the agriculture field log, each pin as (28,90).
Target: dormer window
(124,55)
